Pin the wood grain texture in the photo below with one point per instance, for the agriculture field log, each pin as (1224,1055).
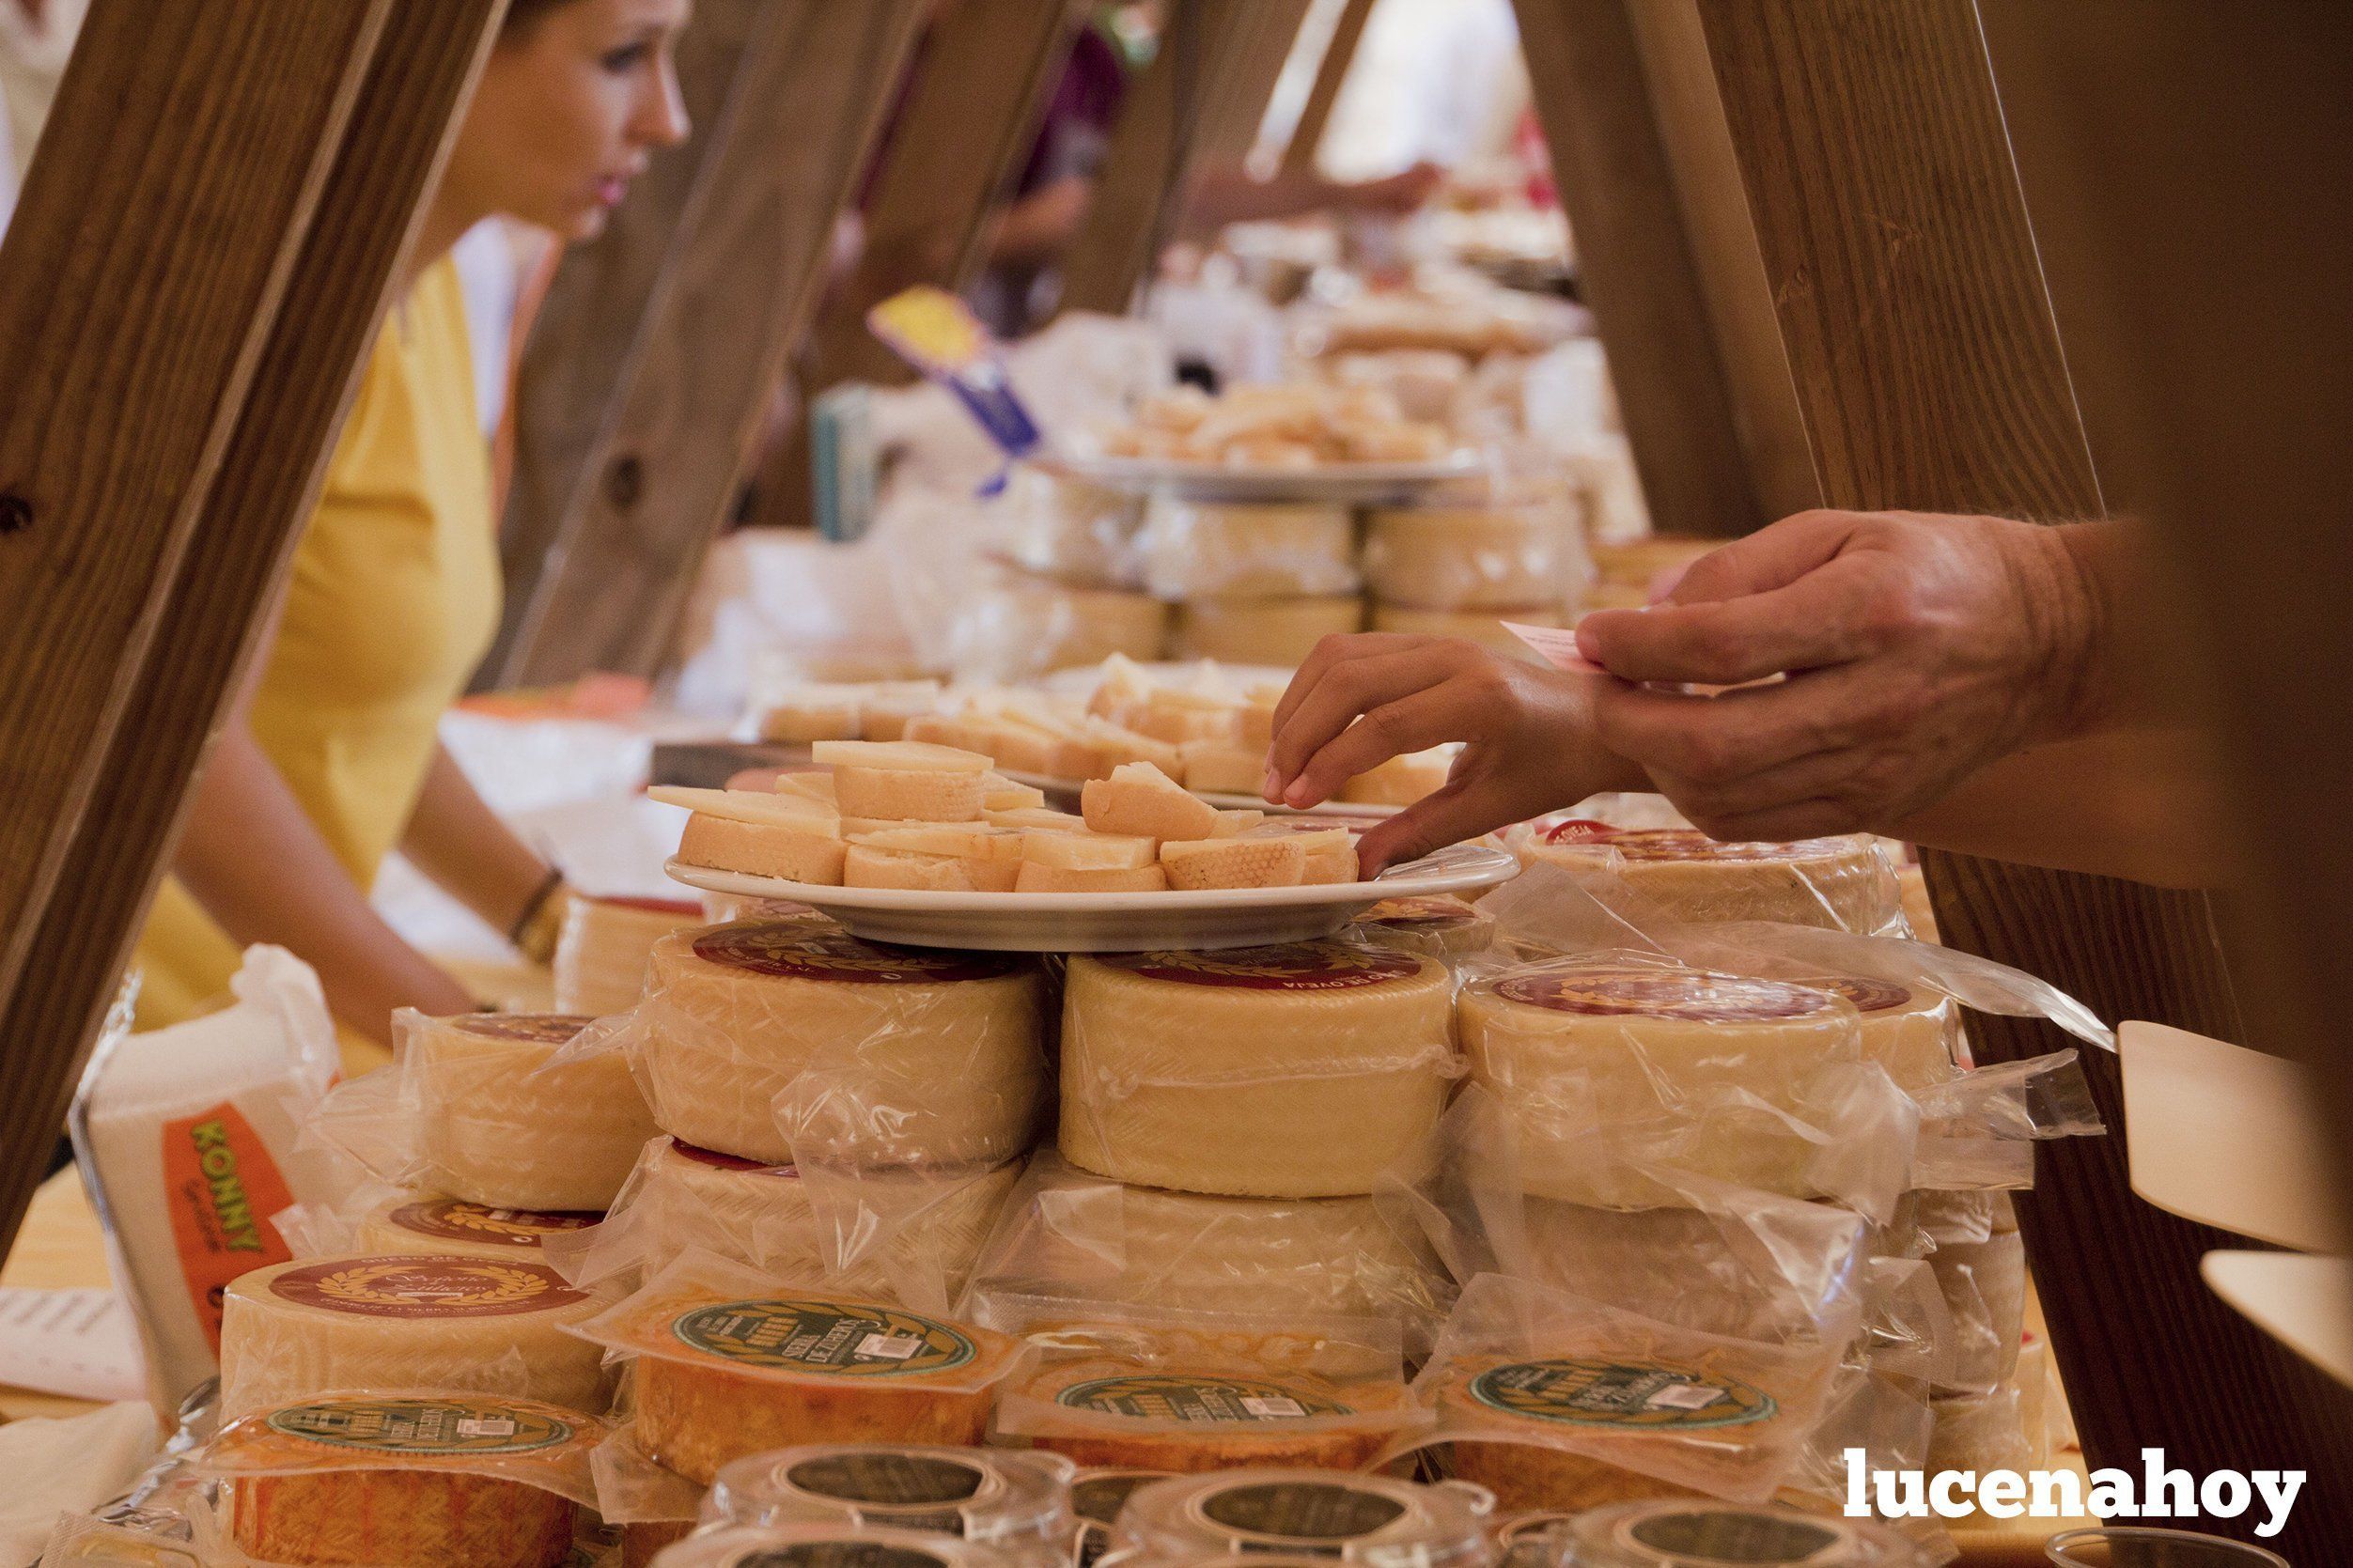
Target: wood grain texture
(1930,368)
(1244,85)
(274,463)
(1332,74)
(814,78)
(590,332)
(1635,265)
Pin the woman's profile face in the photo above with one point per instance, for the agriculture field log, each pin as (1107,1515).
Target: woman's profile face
(572,106)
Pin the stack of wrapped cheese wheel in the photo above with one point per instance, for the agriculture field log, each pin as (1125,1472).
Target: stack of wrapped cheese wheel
(1461,568)
(1252,583)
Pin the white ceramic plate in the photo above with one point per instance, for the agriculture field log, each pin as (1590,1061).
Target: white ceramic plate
(1349,484)
(1065,792)
(1115,921)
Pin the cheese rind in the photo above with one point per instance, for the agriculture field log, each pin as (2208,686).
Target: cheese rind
(1294,1071)
(919,794)
(1234,862)
(504,1127)
(1841,884)
(1036,877)
(763,849)
(1440,926)
(1193,549)
(1470,557)
(1279,631)
(601,953)
(1140,802)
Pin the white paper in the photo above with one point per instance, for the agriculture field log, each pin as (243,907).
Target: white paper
(76,1343)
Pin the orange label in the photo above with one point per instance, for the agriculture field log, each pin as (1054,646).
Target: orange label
(220,1186)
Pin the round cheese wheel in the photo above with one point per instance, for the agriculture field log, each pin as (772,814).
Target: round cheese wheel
(1105,1411)
(1096,1496)
(1297,1071)
(503,1128)
(1483,626)
(1985,1289)
(1603,1064)
(1437,926)
(1493,558)
(930,1224)
(741,1377)
(1349,1518)
(834,1545)
(1840,884)
(425,1321)
(1017,626)
(1276,631)
(1199,549)
(755,1037)
(1910,1031)
(1021,1501)
(402,1482)
(1071,530)
(415,1222)
(1979,1432)
(601,953)
(1710,1534)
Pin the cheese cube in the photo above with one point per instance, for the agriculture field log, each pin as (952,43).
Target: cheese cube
(1141,800)
(1221,768)
(1088,852)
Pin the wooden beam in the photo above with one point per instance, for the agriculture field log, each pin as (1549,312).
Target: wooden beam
(1244,86)
(1930,368)
(184,327)
(1332,74)
(1636,265)
(669,466)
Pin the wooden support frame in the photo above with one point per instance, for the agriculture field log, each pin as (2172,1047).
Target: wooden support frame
(1929,369)
(1331,75)
(666,468)
(186,332)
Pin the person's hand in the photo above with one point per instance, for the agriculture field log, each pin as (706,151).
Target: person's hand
(1916,649)
(1401,193)
(1363,698)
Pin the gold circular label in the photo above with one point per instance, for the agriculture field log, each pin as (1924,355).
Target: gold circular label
(428,1287)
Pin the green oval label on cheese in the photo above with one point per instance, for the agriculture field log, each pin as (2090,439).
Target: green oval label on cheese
(797,949)
(879,1478)
(426,1287)
(1746,1535)
(1291,1511)
(1586,1391)
(1188,1400)
(537,1029)
(1668,994)
(1292,966)
(835,1554)
(453,1220)
(422,1426)
(827,1337)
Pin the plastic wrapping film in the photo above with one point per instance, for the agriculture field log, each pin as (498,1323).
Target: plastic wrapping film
(1620,1068)
(904,1234)
(1154,1389)
(1552,1400)
(1437,926)
(380,1220)
(1200,549)
(831,1546)
(1015,1500)
(1096,1496)
(404,1478)
(1069,529)
(1246,630)
(601,950)
(492,1108)
(728,1364)
(1984,1285)
(470,1323)
(1669,1535)
(1655,877)
(1504,556)
(1072,1238)
(1375,1520)
(1290,1071)
(1010,626)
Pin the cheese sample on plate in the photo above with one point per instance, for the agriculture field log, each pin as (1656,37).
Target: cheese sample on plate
(601,953)
(425,1321)
(1036,877)
(754,1038)
(1331,852)
(503,1127)
(404,1480)
(1295,1071)
(1401,780)
(1371,1519)
(1436,926)
(1681,875)
(866,866)
(1195,549)
(721,1376)
(1223,768)
(412,1222)
(1019,1501)
(797,852)
(1281,631)
(1616,1068)
(1234,862)
(1140,800)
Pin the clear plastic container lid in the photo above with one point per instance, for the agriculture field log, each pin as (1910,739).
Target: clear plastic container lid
(829,1545)
(1019,1501)
(1322,1514)
(1696,1534)
(1096,1496)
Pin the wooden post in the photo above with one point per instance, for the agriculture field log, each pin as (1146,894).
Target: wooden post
(1331,75)
(666,468)
(183,333)
(1929,369)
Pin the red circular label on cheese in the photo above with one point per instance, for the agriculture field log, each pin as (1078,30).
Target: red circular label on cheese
(1292,966)
(538,1029)
(1868,995)
(453,1219)
(685,906)
(1579,829)
(1688,844)
(1425,912)
(1698,998)
(426,1287)
(797,951)
(718,1161)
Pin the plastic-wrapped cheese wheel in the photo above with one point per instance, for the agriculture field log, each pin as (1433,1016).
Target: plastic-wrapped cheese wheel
(1606,1066)
(1016,626)
(1197,550)
(1278,632)
(831,1546)
(1108,1411)
(479,1325)
(1710,1534)
(1437,926)
(1019,1501)
(601,953)
(1096,1496)
(502,1127)
(1368,1519)
(1491,558)
(1483,626)
(1297,1071)
(1677,874)
(754,1038)
(414,1222)
(1070,530)
(1908,1029)
(403,1480)
(1984,1284)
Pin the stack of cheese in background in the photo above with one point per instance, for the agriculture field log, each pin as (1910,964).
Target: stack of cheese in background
(1462,567)
(602,952)
(1252,583)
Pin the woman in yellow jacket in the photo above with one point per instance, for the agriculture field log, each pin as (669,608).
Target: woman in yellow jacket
(330,759)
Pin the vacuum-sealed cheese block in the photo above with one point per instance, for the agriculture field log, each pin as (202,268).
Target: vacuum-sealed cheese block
(1472,558)
(1611,1068)
(1295,1071)
(1279,631)
(1483,626)
(721,1378)
(404,1480)
(832,1546)
(1436,925)
(415,1223)
(600,954)
(425,1321)
(1909,1029)
(1708,1535)
(501,1127)
(1680,874)
(755,1038)
(1201,549)
(1019,626)
(1019,1501)
(1371,1519)
(1985,1290)
(1110,1410)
